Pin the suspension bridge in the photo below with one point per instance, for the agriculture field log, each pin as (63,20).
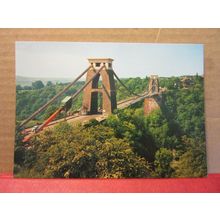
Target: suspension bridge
(98,68)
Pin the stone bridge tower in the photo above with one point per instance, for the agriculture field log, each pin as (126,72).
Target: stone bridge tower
(153,85)
(153,102)
(94,90)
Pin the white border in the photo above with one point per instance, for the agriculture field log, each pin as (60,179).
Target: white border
(108,14)
(109,206)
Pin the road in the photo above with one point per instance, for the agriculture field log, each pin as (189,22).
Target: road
(77,118)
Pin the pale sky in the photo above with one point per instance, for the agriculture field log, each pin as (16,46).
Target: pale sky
(69,59)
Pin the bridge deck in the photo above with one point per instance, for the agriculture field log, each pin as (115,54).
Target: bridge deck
(77,118)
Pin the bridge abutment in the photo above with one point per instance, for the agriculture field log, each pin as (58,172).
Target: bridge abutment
(151,104)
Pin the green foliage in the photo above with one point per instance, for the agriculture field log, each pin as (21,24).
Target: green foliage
(130,124)
(28,101)
(49,83)
(193,162)
(184,108)
(27,88)
(38,84)
(117,160)
(68,152)
(19,152)
(135,85)
(163,159)
(158,127)
(18,87)
(170,142)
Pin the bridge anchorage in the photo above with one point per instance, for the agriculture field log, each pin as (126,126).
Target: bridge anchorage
(92,106)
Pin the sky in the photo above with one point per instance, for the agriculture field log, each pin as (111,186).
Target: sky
(69,59)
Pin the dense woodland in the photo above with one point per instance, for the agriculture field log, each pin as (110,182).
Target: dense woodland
(170,142)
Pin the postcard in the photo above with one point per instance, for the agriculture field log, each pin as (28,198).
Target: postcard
(109,110)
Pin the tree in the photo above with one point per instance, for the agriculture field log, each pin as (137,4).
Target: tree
(117,160)
(38,84)
(127,138)
(192,163)
(162,163)
(27,87)
(29,100)
(18,87)
(68,152)
(19,153)
(158,127)
(49,83)
(129,124)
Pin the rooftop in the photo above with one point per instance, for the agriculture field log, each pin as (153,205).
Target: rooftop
(100,60)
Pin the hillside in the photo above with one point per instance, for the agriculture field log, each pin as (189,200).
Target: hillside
(170,142)
(27,81)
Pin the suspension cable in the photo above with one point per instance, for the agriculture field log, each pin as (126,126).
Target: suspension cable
(125,85)
(143,96)
(74,96)
(53,99)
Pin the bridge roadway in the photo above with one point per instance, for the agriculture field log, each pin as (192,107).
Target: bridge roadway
(77,118)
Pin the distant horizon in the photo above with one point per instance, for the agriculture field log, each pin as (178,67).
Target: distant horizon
(68,59)
(45,77)
(27,81)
